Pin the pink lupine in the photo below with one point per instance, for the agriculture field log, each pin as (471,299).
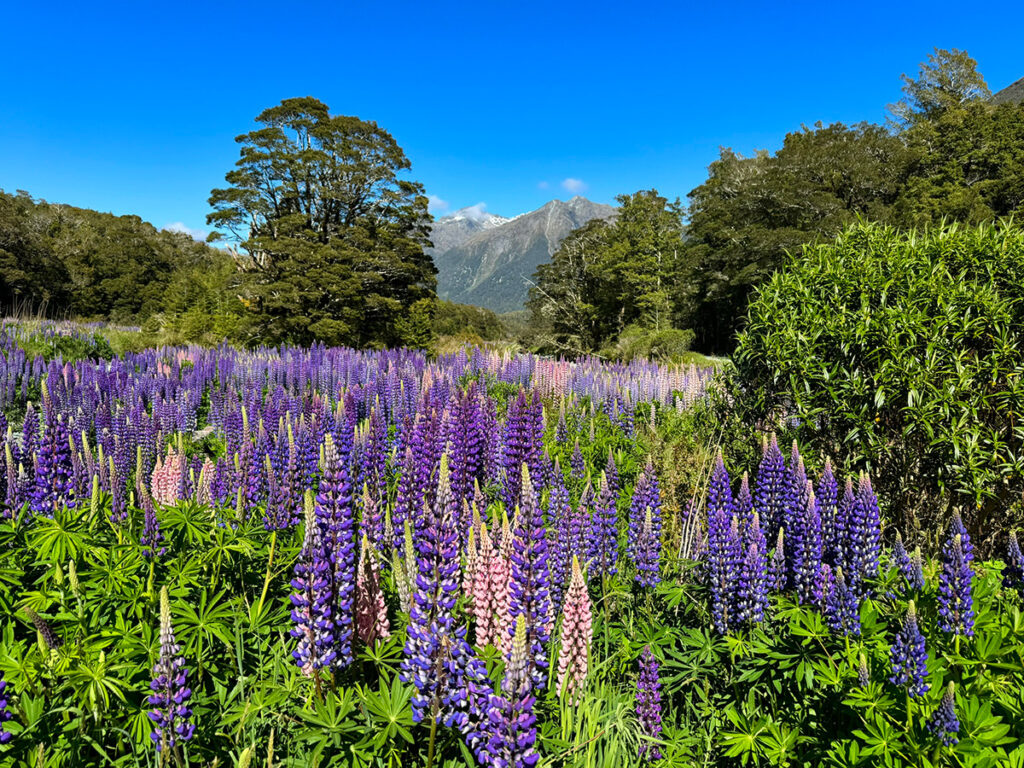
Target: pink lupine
(501,584)
(577,631)
(165,482)
(482,606)
(203,494)
(371,611)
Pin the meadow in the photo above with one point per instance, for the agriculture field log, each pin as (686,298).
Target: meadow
(320,556)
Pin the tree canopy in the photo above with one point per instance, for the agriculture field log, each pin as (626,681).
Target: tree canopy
(332,236)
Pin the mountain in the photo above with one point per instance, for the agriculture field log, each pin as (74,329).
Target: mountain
(491,266)
(1011,94)
(456,228)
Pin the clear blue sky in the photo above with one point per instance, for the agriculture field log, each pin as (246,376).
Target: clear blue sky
(133,108)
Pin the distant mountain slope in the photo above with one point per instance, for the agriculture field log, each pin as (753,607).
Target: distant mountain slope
(491,267)
(455,229)
(1011,94)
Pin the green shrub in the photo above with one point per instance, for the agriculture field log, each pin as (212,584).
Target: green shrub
(669,344)
(904,352)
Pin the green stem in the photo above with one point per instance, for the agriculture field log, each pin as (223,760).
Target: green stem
(266,580)
(433,735)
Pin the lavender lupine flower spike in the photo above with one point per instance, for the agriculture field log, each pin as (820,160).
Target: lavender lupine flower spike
(171,713)
(752,586)
(312,609)
(723,547)
(909,656)
(842,612)
(648,704)
(944,723)
(865,536)
(956,610)
(644,539)
(5,735)
(335,515)
(511,723)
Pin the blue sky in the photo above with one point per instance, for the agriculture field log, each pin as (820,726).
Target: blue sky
(132,108)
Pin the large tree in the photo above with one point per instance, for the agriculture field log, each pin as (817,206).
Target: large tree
(332,235)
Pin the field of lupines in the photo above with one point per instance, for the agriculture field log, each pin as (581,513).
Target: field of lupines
(326,557)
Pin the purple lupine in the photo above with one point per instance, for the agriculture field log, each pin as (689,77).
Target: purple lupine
(602,543)
(957,527)
(151,539)
(773,489)
(644,539)
(863,673)
(577,464)
(5,735)
(909,656)
(956,609)
(745,507)
(312,608)
(944,723)
(517,447)
(54,474)
(724,547)
(530,583)
(842,610)
(170,714)
(832,532)
(1013,573)
(901,558)
(434,646)
(823,584)
(648,705)
(865,537)
(751,582)
(511,732)
(335,514)
(807,548)
(844,515)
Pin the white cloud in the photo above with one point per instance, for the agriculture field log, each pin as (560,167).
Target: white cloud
(475,212)
(542,185)
(437,205)
(574,185)
(195,234)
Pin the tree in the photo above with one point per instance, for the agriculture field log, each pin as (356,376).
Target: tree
(607,276)
(752,211)
(948,80)
(332,237)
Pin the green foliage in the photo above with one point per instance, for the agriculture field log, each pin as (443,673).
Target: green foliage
(668,345)
(902,352)
(333,237)
(453,319)
(947,81)
(62,260)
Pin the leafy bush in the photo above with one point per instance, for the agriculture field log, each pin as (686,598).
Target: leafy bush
(669,344)
(902,351)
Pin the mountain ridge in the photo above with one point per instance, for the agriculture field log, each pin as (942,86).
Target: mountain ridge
(490,265)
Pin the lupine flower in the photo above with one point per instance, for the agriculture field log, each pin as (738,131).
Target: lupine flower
(648,705)
(916,578)
(44,630)
(312,602)
(170,714)
(865,537)
(435,647)
(371,611)
(957,526)
(577,631)
(501,587)
(603,548)
(403,561)
(842,611)
(165,481)
(773,489)
(823,583)
(54,480)
(863,673)
(1013,573)
(808,550)
(5,735)
(335,515)
(833,533)
(576,462)
(559,522)
(909,657)
(745,507)
(644,539)
(944,722)
(752,587)
(511,721)
(902,559)
(151,538)
(530,583)
(724,555)
(956,609)
(482,605)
